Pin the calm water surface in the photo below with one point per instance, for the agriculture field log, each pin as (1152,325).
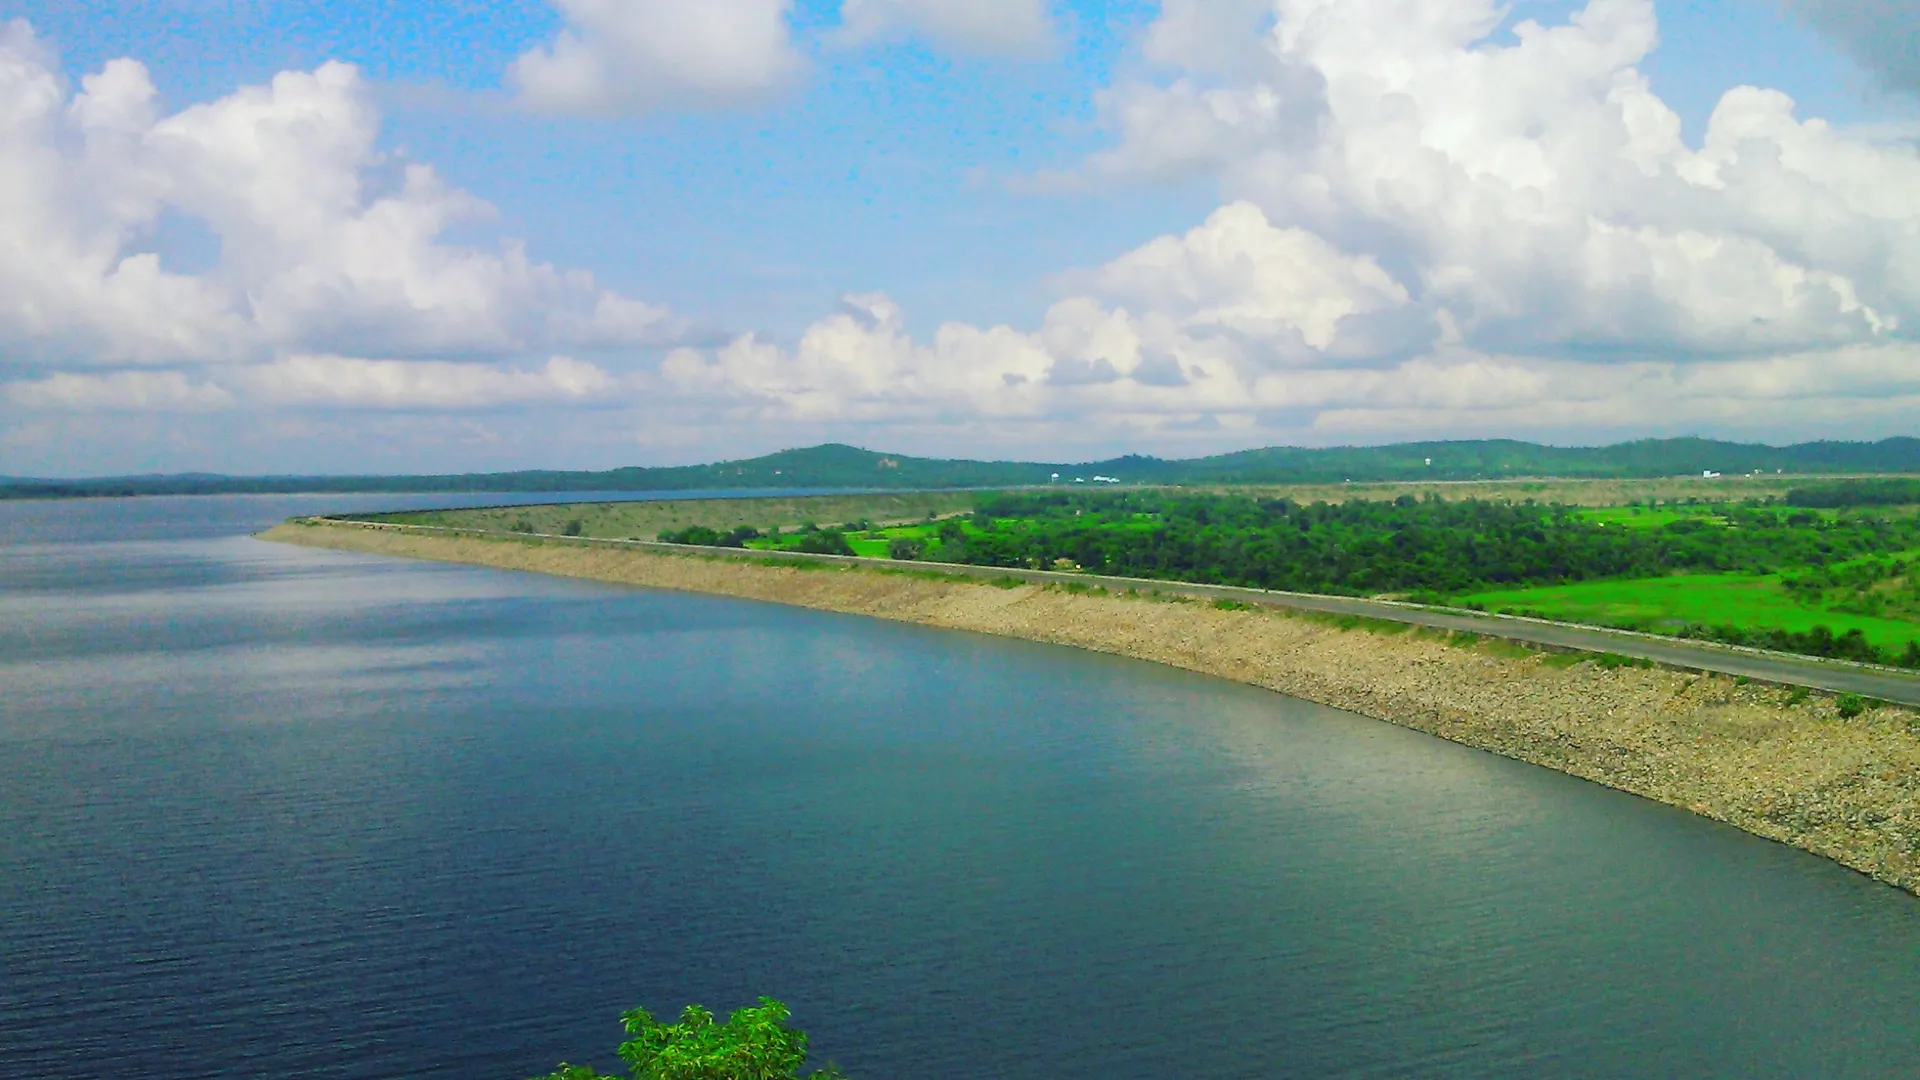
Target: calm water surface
(269,811)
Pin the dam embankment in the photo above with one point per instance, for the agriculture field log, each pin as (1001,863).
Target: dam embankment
(1776,763)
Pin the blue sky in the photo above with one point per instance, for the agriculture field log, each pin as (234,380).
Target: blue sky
(935,242)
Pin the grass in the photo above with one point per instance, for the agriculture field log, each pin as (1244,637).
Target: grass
(1351,622)
(1506,650)
(1668,603)
(1648,518)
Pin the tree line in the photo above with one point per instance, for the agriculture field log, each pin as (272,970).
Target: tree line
(1427,546)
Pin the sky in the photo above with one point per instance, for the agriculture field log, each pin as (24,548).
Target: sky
(275,236)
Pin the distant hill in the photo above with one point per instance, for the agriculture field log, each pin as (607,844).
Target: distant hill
(848,467)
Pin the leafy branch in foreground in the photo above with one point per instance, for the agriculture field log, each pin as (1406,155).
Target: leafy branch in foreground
(756,1043)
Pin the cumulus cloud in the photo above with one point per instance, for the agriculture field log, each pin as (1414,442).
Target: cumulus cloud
(1539,192)
(988,27)
(624,56)
(1884,35)
(1284,288)
(1429,227)
(861,364)
(326,245)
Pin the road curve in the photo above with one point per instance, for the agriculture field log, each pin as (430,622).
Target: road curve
(1838,676)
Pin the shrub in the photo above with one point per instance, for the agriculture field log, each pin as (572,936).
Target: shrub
(824,542)
(701,536)
(756,1043)
(906,549)
(1849,705)
(574,528)
(696,535)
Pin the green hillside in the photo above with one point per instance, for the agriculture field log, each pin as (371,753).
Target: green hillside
(836,466)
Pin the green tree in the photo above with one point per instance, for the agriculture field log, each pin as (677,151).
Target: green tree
(824,542)
(756,1043)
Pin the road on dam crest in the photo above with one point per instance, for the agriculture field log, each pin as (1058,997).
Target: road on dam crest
(1837,676)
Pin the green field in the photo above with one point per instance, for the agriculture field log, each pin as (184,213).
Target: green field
(1636,517)
(1667,604)
(875,541)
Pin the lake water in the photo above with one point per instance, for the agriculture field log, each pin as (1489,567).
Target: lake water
(271,811)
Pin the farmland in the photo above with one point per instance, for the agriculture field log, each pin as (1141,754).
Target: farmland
(1685,603)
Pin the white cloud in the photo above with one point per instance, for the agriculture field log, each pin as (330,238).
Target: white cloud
(1538,192)
(1100,375)
(325,244)
(988,27)
(74,190)
(1223,305)
(860,364)
(122,391)
(1287,288)
(347,382)
(1225,38)
(1429,230)
(624,56)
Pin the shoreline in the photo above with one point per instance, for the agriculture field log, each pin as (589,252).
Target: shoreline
(1775,764)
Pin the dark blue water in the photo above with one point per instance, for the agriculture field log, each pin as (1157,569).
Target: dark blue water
(270,811)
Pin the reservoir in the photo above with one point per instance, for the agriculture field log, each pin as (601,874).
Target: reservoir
(268,810)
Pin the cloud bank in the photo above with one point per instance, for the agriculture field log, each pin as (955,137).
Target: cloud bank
(1427,230)
(324,246)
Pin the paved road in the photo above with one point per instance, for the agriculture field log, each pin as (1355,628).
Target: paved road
(1834,675)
